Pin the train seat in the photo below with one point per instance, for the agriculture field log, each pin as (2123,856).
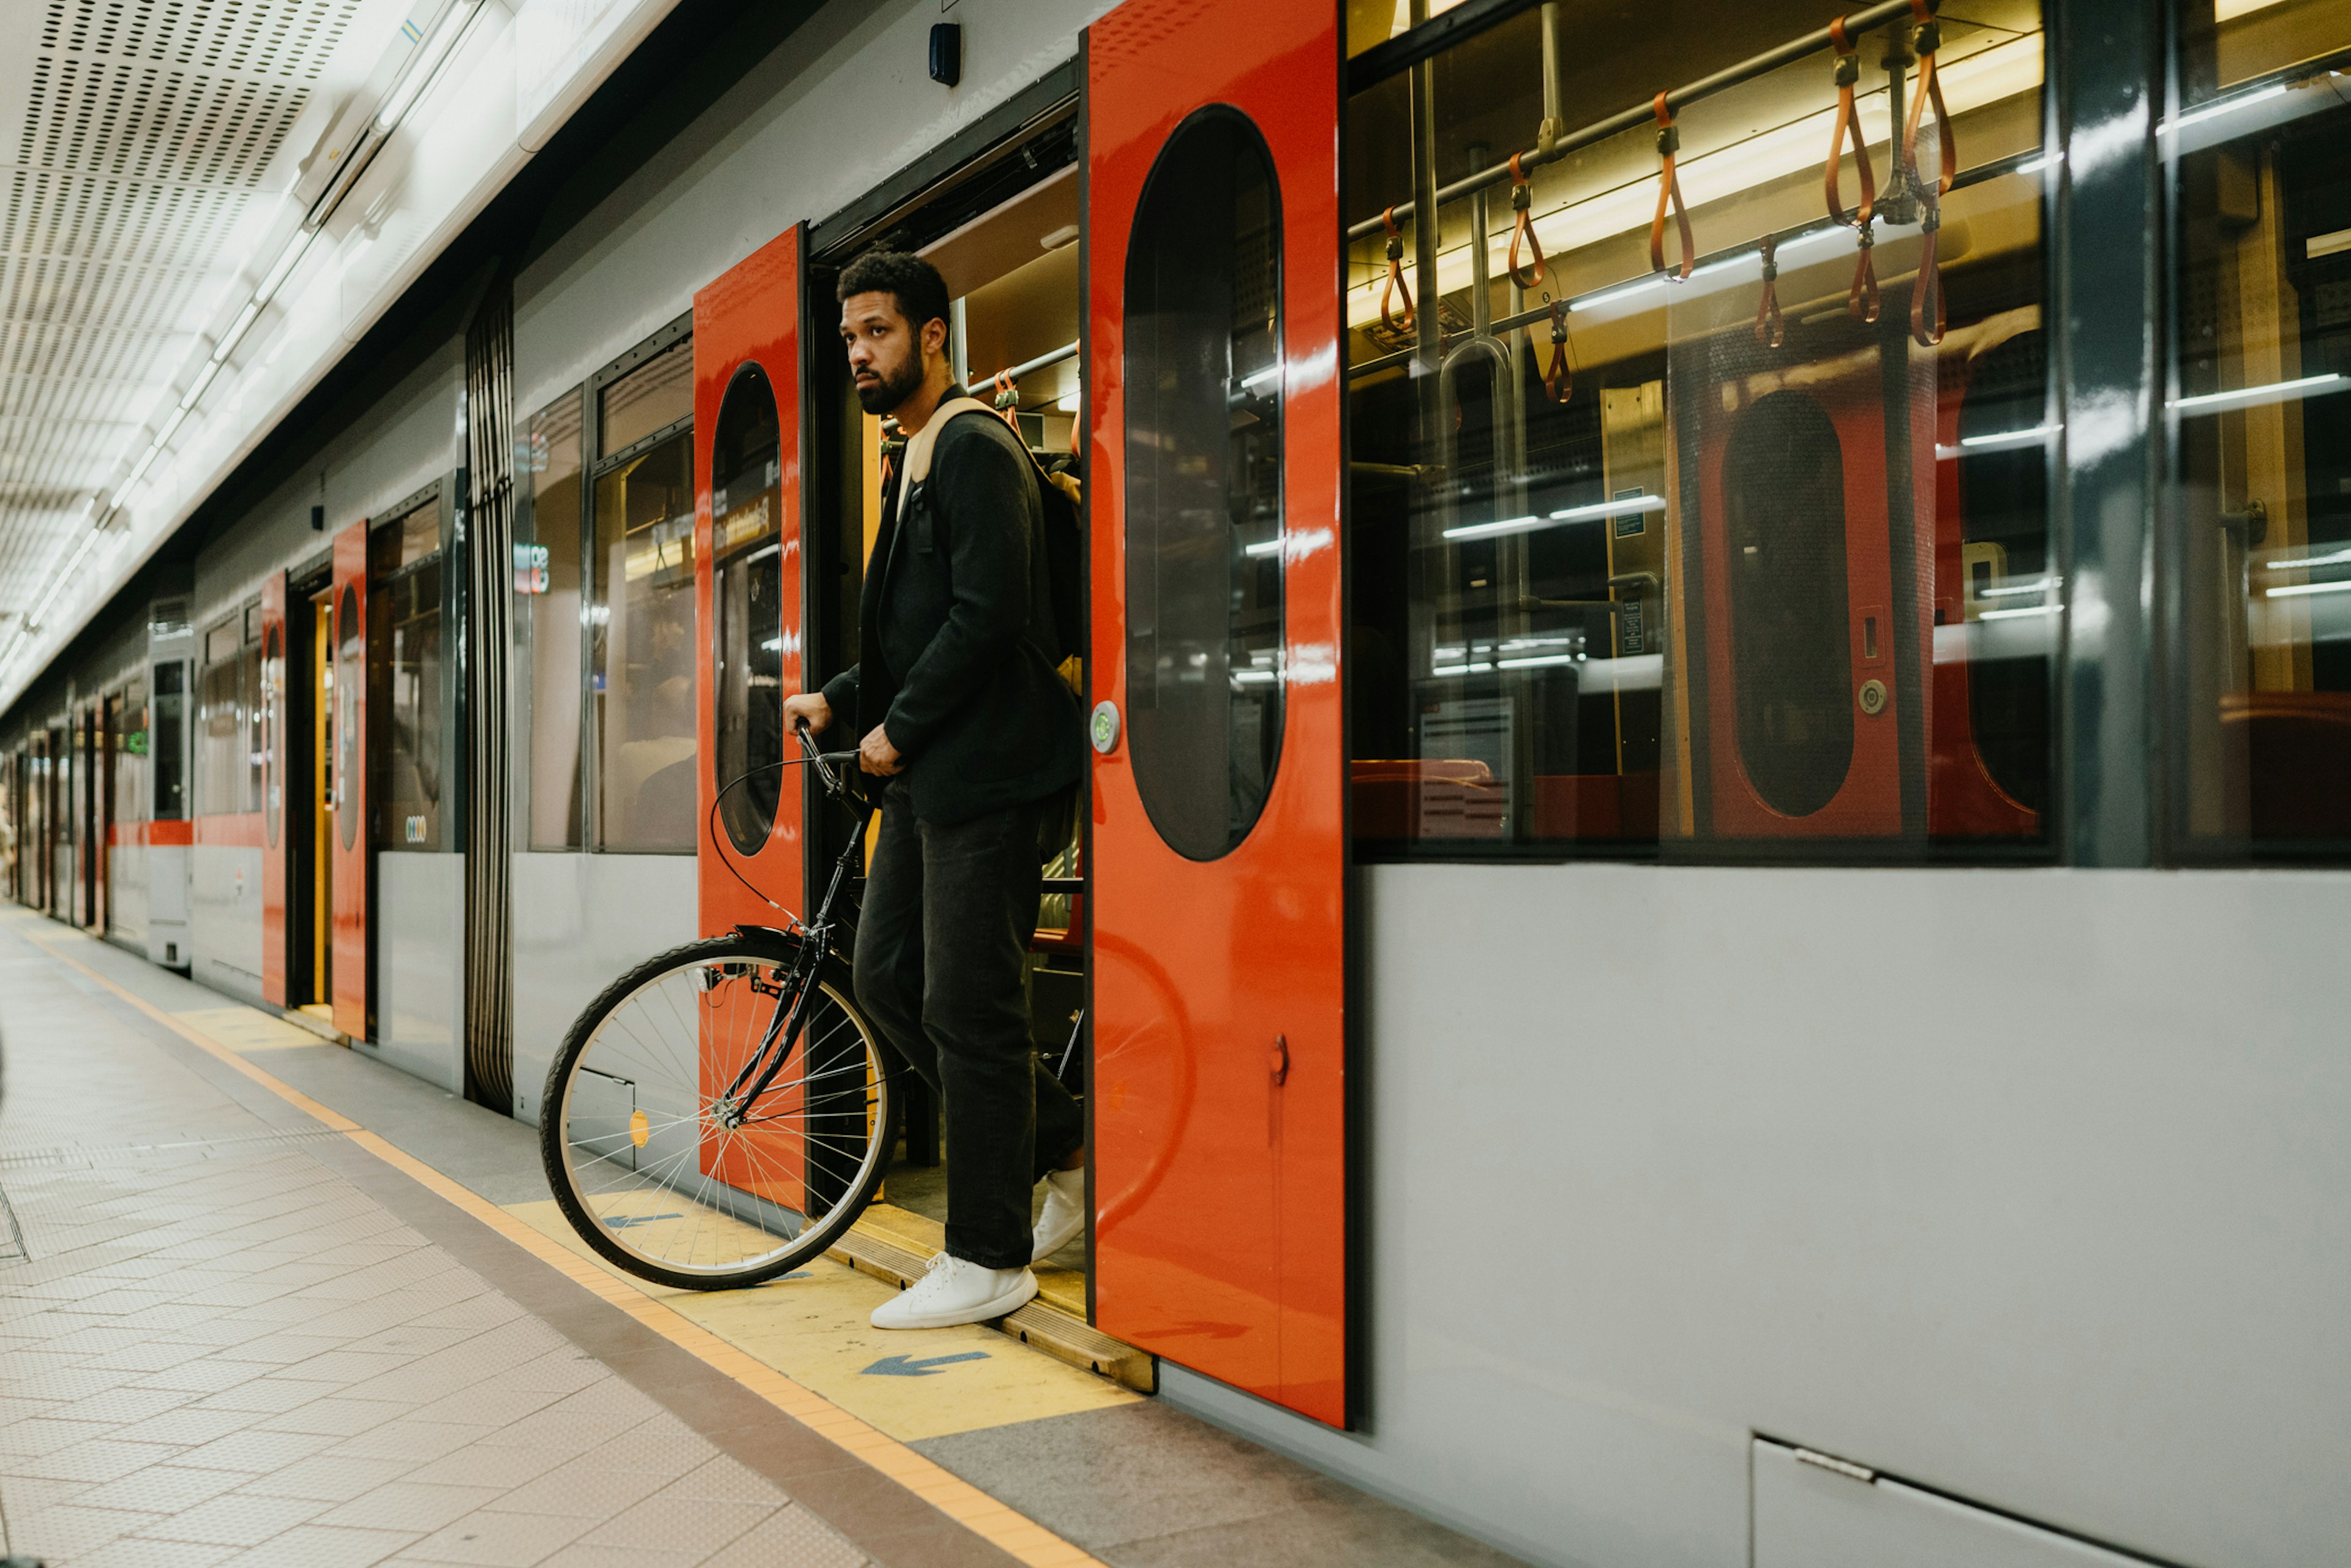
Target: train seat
(2297,753)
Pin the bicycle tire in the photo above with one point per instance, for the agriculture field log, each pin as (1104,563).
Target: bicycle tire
(567,1129)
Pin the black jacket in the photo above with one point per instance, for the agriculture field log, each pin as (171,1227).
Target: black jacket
(954,628)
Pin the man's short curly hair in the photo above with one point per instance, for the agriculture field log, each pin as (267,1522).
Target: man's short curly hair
(915,284)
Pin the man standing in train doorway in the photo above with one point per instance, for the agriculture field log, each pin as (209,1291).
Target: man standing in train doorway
(957,707)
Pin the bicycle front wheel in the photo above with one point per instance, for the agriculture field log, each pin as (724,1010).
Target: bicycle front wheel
(670,1162)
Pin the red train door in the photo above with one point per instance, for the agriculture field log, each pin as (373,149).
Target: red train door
(351,850)
(747,444)
(1219,853)
(273,790)
(1805,688)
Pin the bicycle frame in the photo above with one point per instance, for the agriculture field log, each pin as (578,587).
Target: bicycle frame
(816,944)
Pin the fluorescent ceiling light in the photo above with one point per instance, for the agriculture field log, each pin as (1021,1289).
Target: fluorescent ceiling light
(2296,589)
(2247,397)
(2010,438)
(1272,372)
(1263,547)
(2025,610)
(2340,557)
(2038,585)
(2046,161)
(2226,106)
(1629,504)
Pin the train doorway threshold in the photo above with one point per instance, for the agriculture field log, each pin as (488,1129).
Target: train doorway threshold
(948,1446)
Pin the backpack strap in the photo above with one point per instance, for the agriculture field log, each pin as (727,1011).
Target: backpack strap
(918,461)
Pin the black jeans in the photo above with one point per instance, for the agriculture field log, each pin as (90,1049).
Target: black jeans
(947,915)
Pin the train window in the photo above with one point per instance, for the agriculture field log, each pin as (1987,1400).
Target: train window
(2260,162)
(640,652)
(404,570)
(546,621)
(1204,516)
(1695,511)
(746,599)
(168,743)
(220,722)
(657,394)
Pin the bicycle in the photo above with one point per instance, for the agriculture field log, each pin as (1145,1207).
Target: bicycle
(722,1113)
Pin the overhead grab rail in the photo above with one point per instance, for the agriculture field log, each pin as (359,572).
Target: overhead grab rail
(1674,101)
(1710,261)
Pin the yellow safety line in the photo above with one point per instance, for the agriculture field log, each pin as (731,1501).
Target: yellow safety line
(999,1525)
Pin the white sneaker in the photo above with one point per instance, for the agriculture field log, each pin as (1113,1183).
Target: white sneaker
(1064,1215)
(956,1291)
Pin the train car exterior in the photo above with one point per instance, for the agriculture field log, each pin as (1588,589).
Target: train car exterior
(1719,812)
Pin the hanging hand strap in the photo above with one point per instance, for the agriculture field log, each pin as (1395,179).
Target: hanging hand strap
(1524,229)
(1927,293)
(1770,328)
(1848,123)
(1558,377)
(1861,299)
(1007,398)
(1395,284)
(1669,193)
(1926,318)
(1930,39)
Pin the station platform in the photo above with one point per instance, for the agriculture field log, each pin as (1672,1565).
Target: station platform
(263,1300)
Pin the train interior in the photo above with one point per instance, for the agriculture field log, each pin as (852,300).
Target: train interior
(1003,231)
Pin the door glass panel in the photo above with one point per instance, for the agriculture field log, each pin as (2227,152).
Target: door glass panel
(747,600)
(350,668)
(2259,162)
(404,566)
(1783,502)
(170,743)
(1204,519)
(273,689)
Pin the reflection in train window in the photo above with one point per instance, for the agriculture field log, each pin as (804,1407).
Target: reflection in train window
(1783,505)
(1746,558)
(1204,519)
(640,650)
(546,621)
(404,568)
(747,595)
(2262,435)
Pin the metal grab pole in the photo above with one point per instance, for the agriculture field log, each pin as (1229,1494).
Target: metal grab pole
(1645,113)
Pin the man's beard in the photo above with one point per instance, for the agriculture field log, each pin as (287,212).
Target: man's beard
(890,390)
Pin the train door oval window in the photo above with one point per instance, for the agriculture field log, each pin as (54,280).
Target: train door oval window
(1783,502)
(350,649)
(746,599)
(1203,521)
(273,688)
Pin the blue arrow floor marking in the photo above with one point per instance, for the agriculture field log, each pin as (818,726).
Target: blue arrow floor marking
(905,1366)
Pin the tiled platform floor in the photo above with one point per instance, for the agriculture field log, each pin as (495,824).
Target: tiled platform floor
(228,1334)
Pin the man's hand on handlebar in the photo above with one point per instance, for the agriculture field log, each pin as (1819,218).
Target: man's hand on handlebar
(810,711)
